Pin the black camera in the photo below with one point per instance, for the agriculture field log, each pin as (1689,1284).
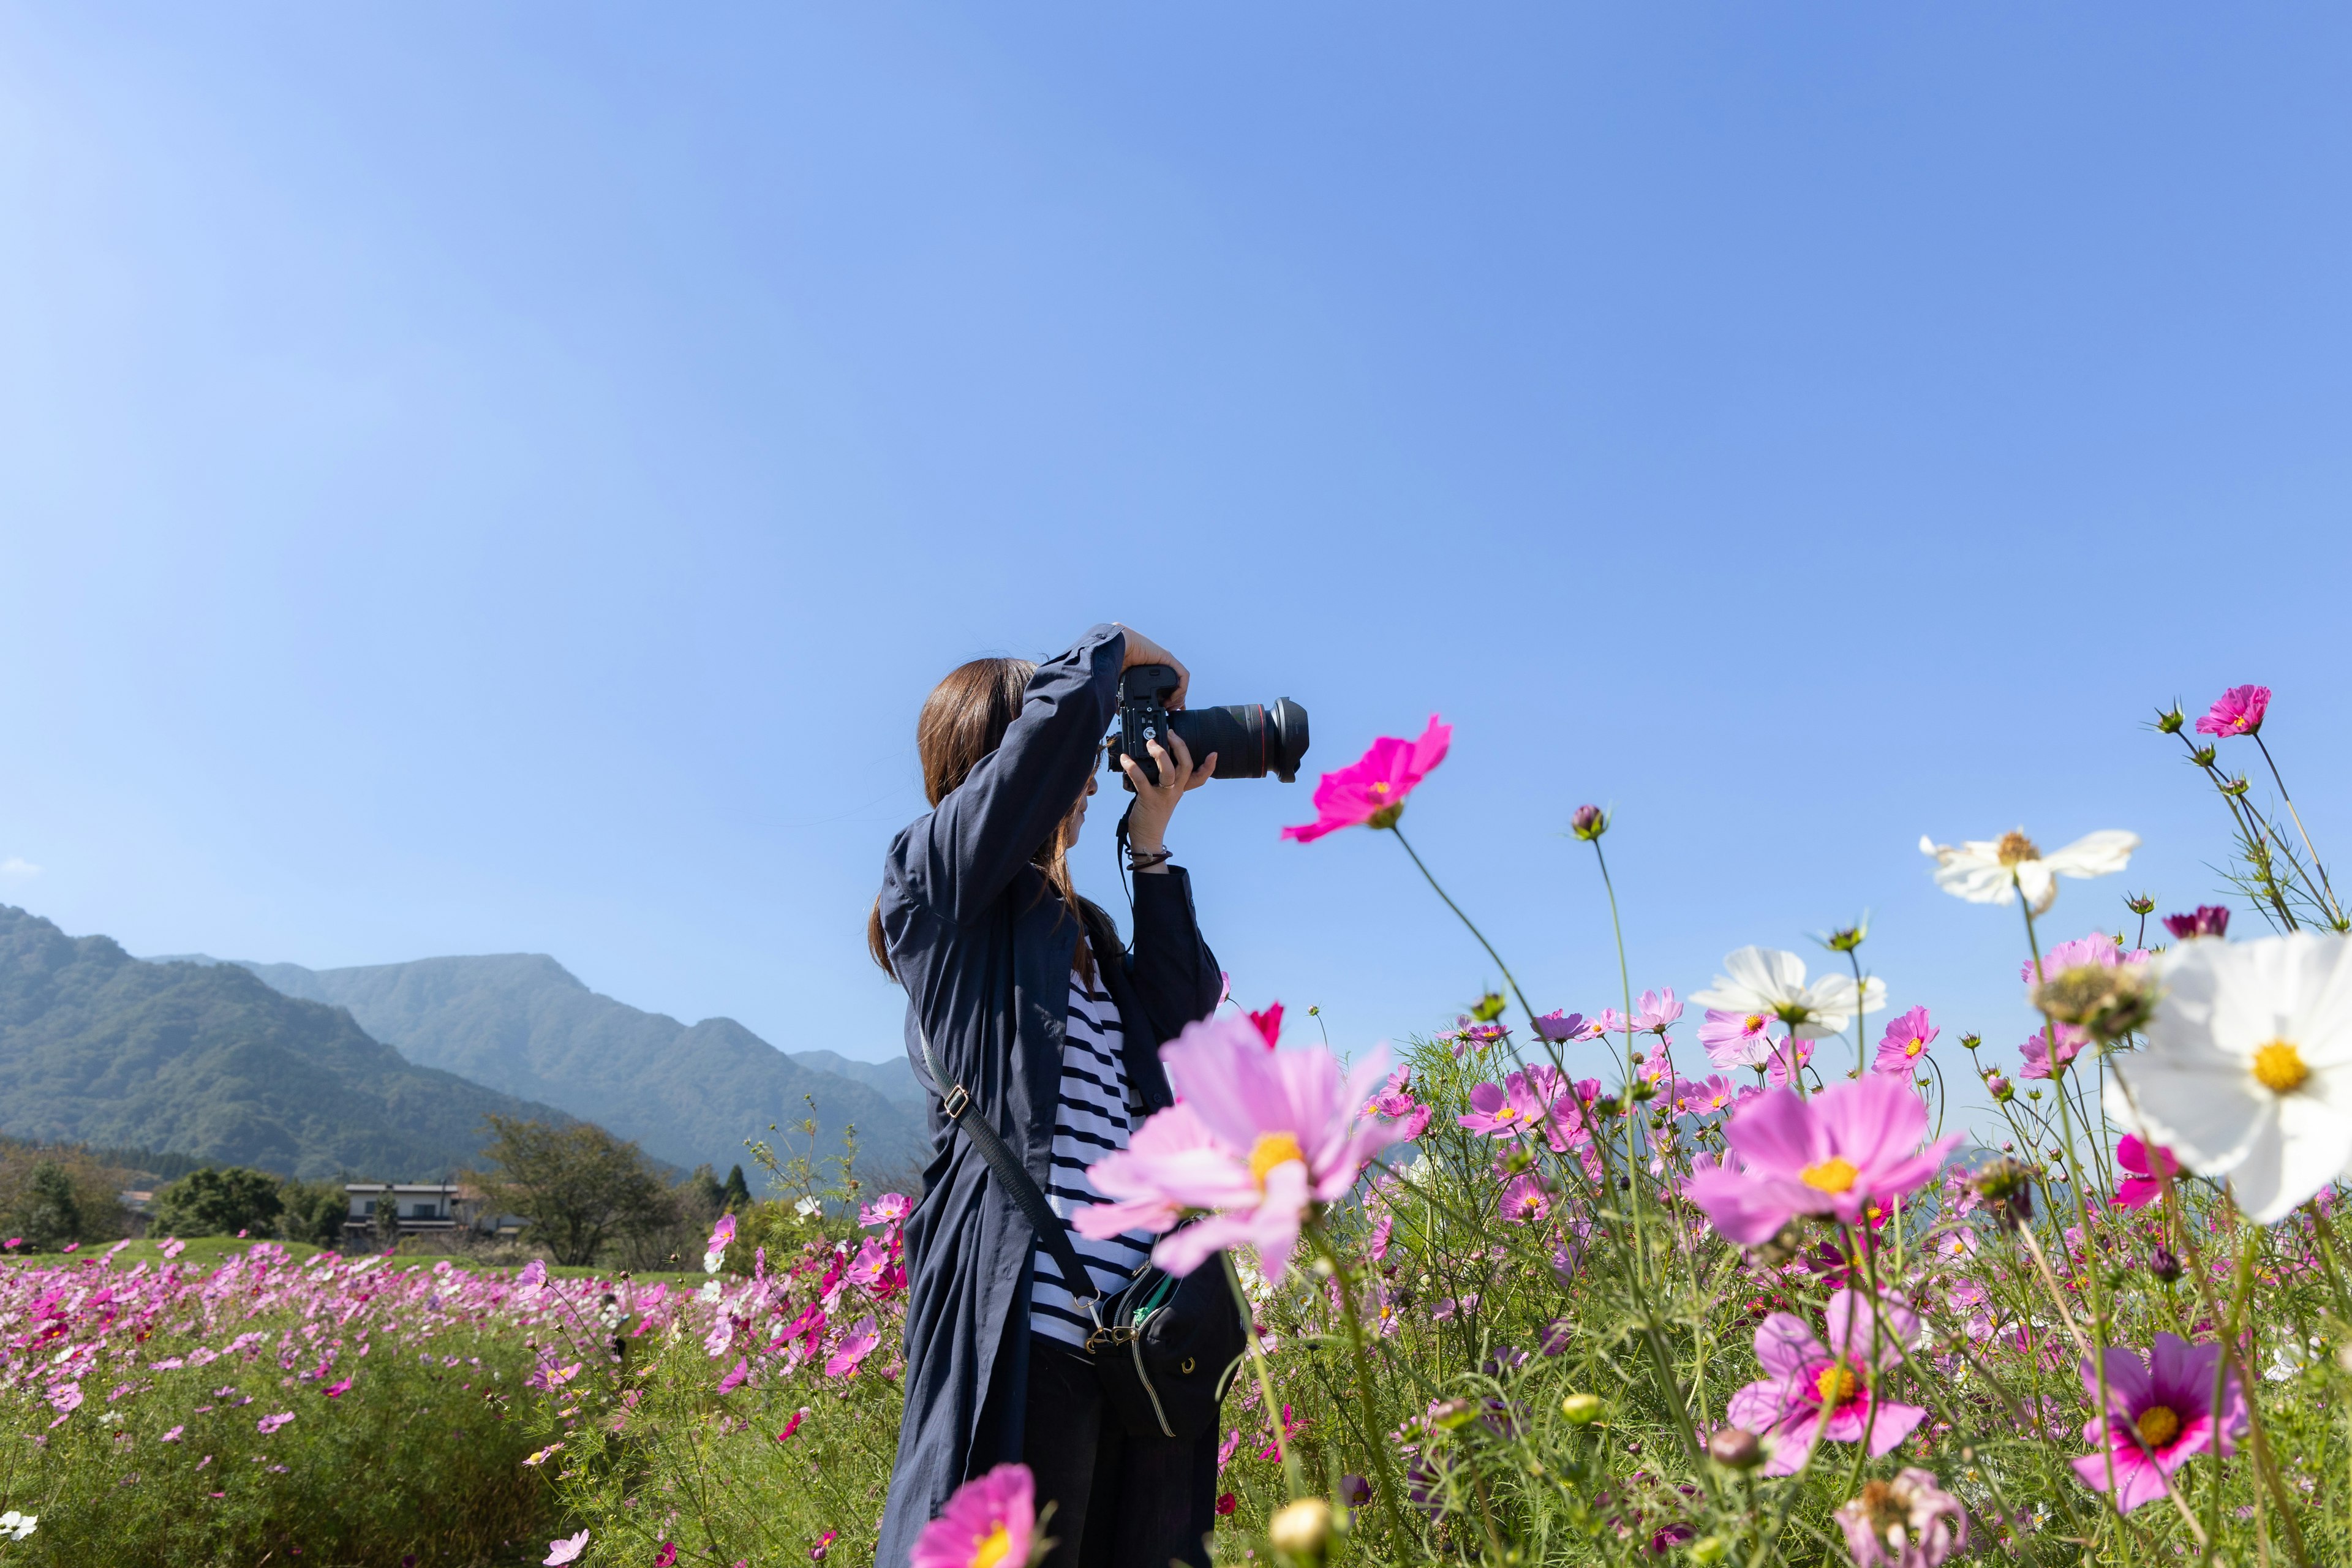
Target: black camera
(1250,740)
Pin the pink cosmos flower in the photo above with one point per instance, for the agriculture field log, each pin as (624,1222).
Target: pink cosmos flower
(873,1261)
(2036,1051)
(1258,1137)
(567,1550)
(1717,1093)
(1906,1041)
(269,1423)
(1657,1013)
(1608,1021)
(1396,1102)
(1505,1111)
(1735,1039)
(1525,1202)
(2239,712)
(336,1390)
(2148,1164)
(989,1523)
(1813,1390)
(65,1399)
(2097,948)
(171,1246)
(668,1556)
(890,1208)
(714,1252)
(855,1347)
(1270,1024)
(2207,920)
(793,1425)
(1779,1065)
(738,1377)
(1371,790)
(173,1435)
(1559,1027)
(1908,1522)
(2160,1413)
(1852,1145)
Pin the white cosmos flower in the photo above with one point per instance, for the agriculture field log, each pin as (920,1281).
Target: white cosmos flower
(1979,870)
(1767,980)
(2248,1070)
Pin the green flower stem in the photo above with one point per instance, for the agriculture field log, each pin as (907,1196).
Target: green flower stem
(2335,909)
(1265,1379)
(1860,1062)
(1471,924)
(1373,1425)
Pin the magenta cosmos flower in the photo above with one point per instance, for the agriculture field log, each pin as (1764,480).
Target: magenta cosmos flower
(1559,1027)
(1813,1390)
(2149,1165)
(2239,712)
(1906,1041)
(990,1523)
(1257,1138)
(2160,1415)
(1851,1146)
(2037,1055)
(2207,919)
(1371,790)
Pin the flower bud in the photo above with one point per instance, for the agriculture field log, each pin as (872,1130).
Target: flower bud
(1735,1448)
(2163,1264)
(1709,1550)
(1581,1409)
(2006,1188)
(1489,1008)
(2169,724)
(1643,1089)
(2203,756)
(2140,904)
(2236,786)
(1999,1088)
(1452,1413)
(2107,1003)
(1848,938)
(1589,822)
(1970,1042)
(1302,1530)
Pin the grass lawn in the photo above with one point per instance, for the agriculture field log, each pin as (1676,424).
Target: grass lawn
(212,1251)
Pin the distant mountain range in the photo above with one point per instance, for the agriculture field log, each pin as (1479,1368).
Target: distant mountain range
(98,1048)
(688,1093)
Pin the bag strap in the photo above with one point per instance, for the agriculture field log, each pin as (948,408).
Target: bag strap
(1052,1235)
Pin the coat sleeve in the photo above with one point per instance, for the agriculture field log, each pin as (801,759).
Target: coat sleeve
(968,850)
(1175,974)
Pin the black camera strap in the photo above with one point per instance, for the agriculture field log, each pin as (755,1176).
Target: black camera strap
(954,1102)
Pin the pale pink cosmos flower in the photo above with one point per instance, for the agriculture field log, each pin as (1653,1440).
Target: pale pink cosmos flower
(890,1208)
(737,1377)
(873,1261)
(1525,1201)
(269,1423)
(715,1252)
(1852,1145)
(2098,948)
(2239,712)
(1658,1012)
(2160,1415)
(989,1523)
(1781,1063)
(1717,1093)
(2036,1051)
(1259,1137)
(1735,1039)
(567,1550)
(1907,1039)
(1608,1021)
(2148,1164)
(1514,1108)
(1811,1391)
(855,1347)
(1373,789)
(1908,1522)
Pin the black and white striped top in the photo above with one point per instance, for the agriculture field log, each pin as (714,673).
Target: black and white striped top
(1090,1119)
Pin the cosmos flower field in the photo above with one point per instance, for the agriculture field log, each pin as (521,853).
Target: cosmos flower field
(1710,1278)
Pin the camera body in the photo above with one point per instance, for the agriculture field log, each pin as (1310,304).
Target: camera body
(1251,739)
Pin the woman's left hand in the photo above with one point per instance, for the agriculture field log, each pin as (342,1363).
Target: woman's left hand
(1147,827)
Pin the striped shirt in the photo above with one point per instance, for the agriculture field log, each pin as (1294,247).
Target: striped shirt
(1090,1119)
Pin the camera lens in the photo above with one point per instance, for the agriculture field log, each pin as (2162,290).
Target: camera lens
(1250,741)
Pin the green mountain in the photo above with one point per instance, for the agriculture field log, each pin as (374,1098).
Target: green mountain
(688,1093)
(98,1048)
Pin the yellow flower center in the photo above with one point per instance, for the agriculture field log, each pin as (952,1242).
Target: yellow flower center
(2014,848)
(1836,1384)
(1755,1022)
(2280,1068)
(1380,786)
(1915,1047)
(2157,1425)
(1508,1113)
(1273,1149)
(1835,1174)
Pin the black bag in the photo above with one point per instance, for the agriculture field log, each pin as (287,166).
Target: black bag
(1164,1348)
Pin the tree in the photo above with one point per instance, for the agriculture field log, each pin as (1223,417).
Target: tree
(217,1201)
(312,1212)
(579,1186)
(387,1217)
(51,1215)
(707,1196)
(738,1193)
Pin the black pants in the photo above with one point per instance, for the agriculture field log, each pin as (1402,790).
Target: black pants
(1119,1502)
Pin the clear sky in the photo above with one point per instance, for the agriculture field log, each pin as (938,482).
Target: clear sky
(488,478)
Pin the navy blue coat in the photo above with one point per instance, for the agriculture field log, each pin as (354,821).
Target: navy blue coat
(984,950)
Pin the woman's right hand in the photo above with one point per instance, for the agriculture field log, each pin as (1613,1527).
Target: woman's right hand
(1141,649)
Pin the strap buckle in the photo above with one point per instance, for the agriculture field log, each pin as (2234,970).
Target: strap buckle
(957,1102)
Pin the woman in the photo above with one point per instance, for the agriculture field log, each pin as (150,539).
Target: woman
(1028,1002)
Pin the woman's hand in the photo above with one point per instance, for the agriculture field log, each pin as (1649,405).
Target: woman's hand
(1147,826)
(1141,649)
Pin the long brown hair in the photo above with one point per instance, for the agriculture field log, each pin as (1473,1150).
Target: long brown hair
(964,719)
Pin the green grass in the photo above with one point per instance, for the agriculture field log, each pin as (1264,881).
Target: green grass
(202,1252)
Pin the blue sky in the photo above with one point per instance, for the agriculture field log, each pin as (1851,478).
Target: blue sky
(493,478)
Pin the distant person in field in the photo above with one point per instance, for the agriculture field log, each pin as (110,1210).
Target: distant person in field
(1029,1002)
